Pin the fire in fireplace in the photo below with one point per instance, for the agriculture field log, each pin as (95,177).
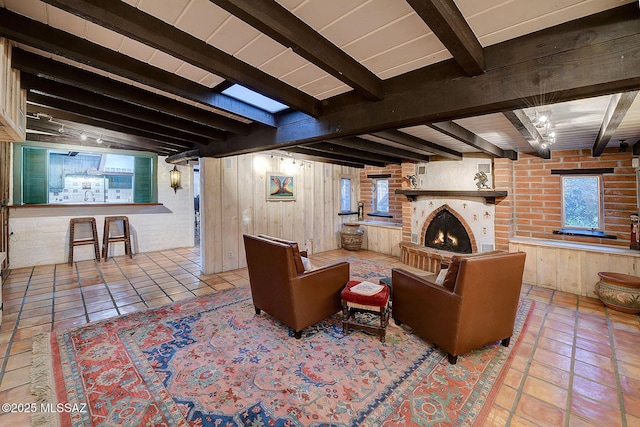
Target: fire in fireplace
(446,232)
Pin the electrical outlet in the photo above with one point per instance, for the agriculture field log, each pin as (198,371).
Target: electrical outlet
(230,254)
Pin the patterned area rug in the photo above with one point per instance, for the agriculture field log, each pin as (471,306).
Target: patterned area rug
(211,361)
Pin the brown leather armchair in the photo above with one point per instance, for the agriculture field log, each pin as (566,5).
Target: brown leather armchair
(475,306)
(281,287)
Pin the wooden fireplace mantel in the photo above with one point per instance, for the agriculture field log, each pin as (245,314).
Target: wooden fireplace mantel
(489,195)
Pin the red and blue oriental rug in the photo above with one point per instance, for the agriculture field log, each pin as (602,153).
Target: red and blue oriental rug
(211,361)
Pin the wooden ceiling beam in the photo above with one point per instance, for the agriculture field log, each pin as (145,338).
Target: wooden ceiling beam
(41,36)
(406,141)
(446,21)
(48,131)
(464,135)
(317,156)
(84,115)
(618,107)
(361,155)
(579,70)
(151,31)
(284,27)
(111,105)
(527,129)
(71,76)
(379,148)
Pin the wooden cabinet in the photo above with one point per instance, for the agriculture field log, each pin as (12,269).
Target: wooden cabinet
(572,267)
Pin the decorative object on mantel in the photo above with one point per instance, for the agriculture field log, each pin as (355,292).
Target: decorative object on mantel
(482,179)
(619,291)
(412,180)
(351,236)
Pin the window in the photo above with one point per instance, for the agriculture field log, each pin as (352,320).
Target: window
(381,196)
(582,202)
(50,175)
(345,194)
(243,94)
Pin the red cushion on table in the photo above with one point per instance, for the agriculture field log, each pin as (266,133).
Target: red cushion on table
(377,300)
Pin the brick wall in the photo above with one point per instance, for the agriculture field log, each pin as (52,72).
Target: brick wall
(395,182)
(535,199)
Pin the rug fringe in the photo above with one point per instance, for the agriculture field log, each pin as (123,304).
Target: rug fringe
(42,386)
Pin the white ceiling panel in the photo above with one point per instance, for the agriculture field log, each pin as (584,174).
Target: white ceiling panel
(137,50)
(408,57)
(405,30)
(104,36)
(260,50)
(33,9)
(191,72)
(317,15)
(495,23)
(232,35)
(201,18)
(324,85)
(67,22)
(363,20)
(166,10)
(283,64)
(165,61)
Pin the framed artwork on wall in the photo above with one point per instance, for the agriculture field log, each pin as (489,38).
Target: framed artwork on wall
(280,187)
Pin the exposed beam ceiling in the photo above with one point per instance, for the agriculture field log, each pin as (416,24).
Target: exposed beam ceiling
(618,107)
(130,21)
(110,67)
(284,27)
(446,21)
(517,78)
(35,34)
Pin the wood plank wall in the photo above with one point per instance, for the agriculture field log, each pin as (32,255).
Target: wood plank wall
(233,202)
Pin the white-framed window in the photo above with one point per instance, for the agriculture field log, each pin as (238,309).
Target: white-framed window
(345,194)
(381,195)
(582,202)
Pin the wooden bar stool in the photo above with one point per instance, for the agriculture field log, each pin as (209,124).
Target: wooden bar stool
(116,229)
(83,231)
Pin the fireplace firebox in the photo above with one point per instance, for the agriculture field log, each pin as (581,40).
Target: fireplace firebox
(446,232)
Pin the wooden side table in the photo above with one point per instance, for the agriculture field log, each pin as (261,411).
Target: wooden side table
(377,304)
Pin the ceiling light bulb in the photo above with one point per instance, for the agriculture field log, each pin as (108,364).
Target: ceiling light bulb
(83,136)
(544,145)
(552,134)
(61,130)
(99,140)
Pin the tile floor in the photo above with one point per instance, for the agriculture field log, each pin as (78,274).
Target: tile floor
(578,364)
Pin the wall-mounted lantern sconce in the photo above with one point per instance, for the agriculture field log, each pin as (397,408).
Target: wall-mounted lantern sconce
(174,176)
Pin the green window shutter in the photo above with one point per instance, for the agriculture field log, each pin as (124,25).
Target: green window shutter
(34,161)
(142,180)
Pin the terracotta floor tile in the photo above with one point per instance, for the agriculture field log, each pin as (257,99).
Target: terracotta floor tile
(545,391)
(595,373)
(541,412)
(595,411)
(549,374)
(632,404)
(595,391)
(552,359)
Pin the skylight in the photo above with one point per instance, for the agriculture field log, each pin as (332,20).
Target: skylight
(243,94)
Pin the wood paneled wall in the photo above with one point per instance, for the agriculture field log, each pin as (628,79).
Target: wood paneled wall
(233,202)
